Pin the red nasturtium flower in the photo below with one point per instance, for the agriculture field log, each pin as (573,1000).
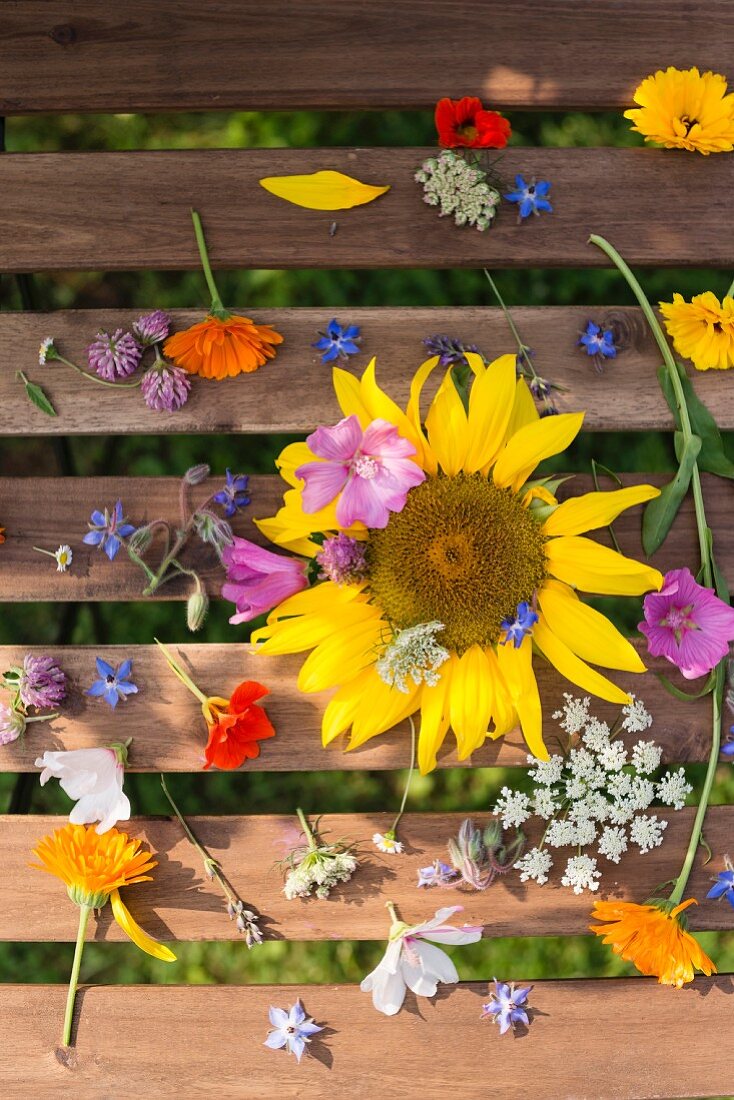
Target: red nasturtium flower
(236,725)
(464,122)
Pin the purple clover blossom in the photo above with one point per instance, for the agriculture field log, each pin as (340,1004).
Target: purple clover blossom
(507,1007)
(115,356)
(41,684)
(687,624)
(113,683)
(342,560)
(338,342)
(12,725)
(518,627)
(165,387)
(450,351)
(530,197)
(598,342)
(151,328)
(107,530)
(438,874)
(234,494)
(292,1029)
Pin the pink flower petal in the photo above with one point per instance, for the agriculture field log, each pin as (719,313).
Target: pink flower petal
(339,443)
(381,440)
(324,481)
(361,500)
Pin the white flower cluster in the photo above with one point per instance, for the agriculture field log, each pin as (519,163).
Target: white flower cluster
(459,189)
(595,795)
(415,653)
(319,871)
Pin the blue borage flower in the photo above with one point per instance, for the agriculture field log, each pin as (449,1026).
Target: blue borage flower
(338,342)
(107,530)
(522,624)
(728,747)
(530,197)
(507,1006)
(113,683)
(234,494)
(724,883)
(437,874)
(292,1029)
(598,341)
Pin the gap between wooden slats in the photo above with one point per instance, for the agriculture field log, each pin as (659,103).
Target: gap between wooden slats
(131,210)
(181,904)
(294,392)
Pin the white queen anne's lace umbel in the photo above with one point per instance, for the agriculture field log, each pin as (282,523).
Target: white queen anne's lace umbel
(413,654)
(458,189)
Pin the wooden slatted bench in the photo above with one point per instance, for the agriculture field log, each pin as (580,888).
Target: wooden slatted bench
(118,211)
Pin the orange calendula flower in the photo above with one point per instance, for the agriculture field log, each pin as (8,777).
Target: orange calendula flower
(702,330)
(685,109)
(653,938)
(2,534)
(224,344)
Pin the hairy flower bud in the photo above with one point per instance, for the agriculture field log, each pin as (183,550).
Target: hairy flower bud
(196,474)
(140,540)
(196,610)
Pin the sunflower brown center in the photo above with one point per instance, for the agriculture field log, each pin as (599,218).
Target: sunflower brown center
(461,552)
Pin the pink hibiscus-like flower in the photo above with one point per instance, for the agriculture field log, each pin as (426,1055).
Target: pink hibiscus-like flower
(687,624)
(371,472)
(258,580)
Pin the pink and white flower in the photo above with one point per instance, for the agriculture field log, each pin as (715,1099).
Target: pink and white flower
(370,471)
(412,963)
(687,624)
(258,580)
(93,778)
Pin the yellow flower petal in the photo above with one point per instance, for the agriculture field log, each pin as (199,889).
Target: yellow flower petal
(594,510)
(326,190)
(470,699)
(435,702)
(504,715)
(349,395)
(380,406)
(524,410)
(290,458)
(585,631)
(516,666)
(586,565)
(342,655)
(531,444)
(490,407)
(573,668)
(132,929)
(382,707)
(421,376)
(447,427)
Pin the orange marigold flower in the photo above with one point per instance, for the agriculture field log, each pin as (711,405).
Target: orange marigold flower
(653,939)
(223,347)
(235,726)
(2,534)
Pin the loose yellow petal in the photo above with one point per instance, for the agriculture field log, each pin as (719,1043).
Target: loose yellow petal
(516,666)
(585,631)
(531,444)
(490,407)
(435,703)
(470,699)
(135,932)
(594,510)
(573,668)
(447,427)
(585,564)
(326,190)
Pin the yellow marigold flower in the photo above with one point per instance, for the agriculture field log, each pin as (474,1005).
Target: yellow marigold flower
(702,330)
(685,109)
(653,939)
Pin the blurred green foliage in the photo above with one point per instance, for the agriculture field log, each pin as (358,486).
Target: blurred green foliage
(101,624)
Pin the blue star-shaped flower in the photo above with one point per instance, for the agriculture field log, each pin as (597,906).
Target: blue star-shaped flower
(234,494)
(107,530)
(438,874)
(598,341)
(531,197)
(728,747)
(292,1028)
(507,1006)
(724,886)
(338,342)
(520,625)
(113,683)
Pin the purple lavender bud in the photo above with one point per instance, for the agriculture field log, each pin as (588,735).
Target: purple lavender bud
(151,328)
(165,388)
(42,683)
(342,560)
(115,356)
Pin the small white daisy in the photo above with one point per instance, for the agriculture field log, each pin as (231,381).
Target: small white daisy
(43,352)
(386,842)
(64,558)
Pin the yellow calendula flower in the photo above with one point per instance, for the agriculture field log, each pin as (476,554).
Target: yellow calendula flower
(685,109)
(702,330)
(475,572)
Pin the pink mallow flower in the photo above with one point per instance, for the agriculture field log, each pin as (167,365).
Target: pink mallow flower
(257,580)
(687,624)
(371,472)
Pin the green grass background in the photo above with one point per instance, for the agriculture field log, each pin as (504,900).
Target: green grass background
(103,624)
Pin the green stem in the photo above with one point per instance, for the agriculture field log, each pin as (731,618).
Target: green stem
(84,911)
(176,669)
(217,307)
(307,830)
(401,811)
(95,377)
(211,866)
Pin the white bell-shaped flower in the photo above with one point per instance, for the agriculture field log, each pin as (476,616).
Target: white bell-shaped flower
(93,778)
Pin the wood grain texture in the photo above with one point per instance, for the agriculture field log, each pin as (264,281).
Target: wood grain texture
(181,904)
(131,210)
(49,511)
(179,55)
(293,394)
(169,732)
(614,1039)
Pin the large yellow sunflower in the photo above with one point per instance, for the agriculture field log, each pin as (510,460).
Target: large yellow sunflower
(475,542)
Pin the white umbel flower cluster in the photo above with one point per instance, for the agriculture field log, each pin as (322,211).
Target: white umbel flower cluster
(318,873)
(594,797)
(413,653)
(459,189)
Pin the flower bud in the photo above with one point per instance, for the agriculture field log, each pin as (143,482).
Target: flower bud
(196,474)
(196,610)
(140,540)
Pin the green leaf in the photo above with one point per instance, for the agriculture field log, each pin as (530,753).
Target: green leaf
(661,511)
(687,696)
(36,395)
(712,457)
(707,848)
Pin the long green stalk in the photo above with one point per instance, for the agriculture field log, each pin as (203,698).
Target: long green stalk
(84,911)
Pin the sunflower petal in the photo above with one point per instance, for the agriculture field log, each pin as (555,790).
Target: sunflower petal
(470,701)
(594,510)
(341,656)
(531,444)
(326,190)
(490,407)
(516,666)
(428,459)
(447,427)
(585,631)
(573,668)
(504,715)
(349,395)
(434,720)
(385,707)
(132,929)
(524,410)
(380,406)
(585,564)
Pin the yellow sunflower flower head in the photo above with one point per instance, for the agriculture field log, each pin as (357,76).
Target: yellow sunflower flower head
(702,330)
(473,570)
(685,109)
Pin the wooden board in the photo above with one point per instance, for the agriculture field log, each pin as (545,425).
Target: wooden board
(615,1039)
(127,211)
(294,394)
(181,904)
(169,732)
(177,55)
(48,511)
